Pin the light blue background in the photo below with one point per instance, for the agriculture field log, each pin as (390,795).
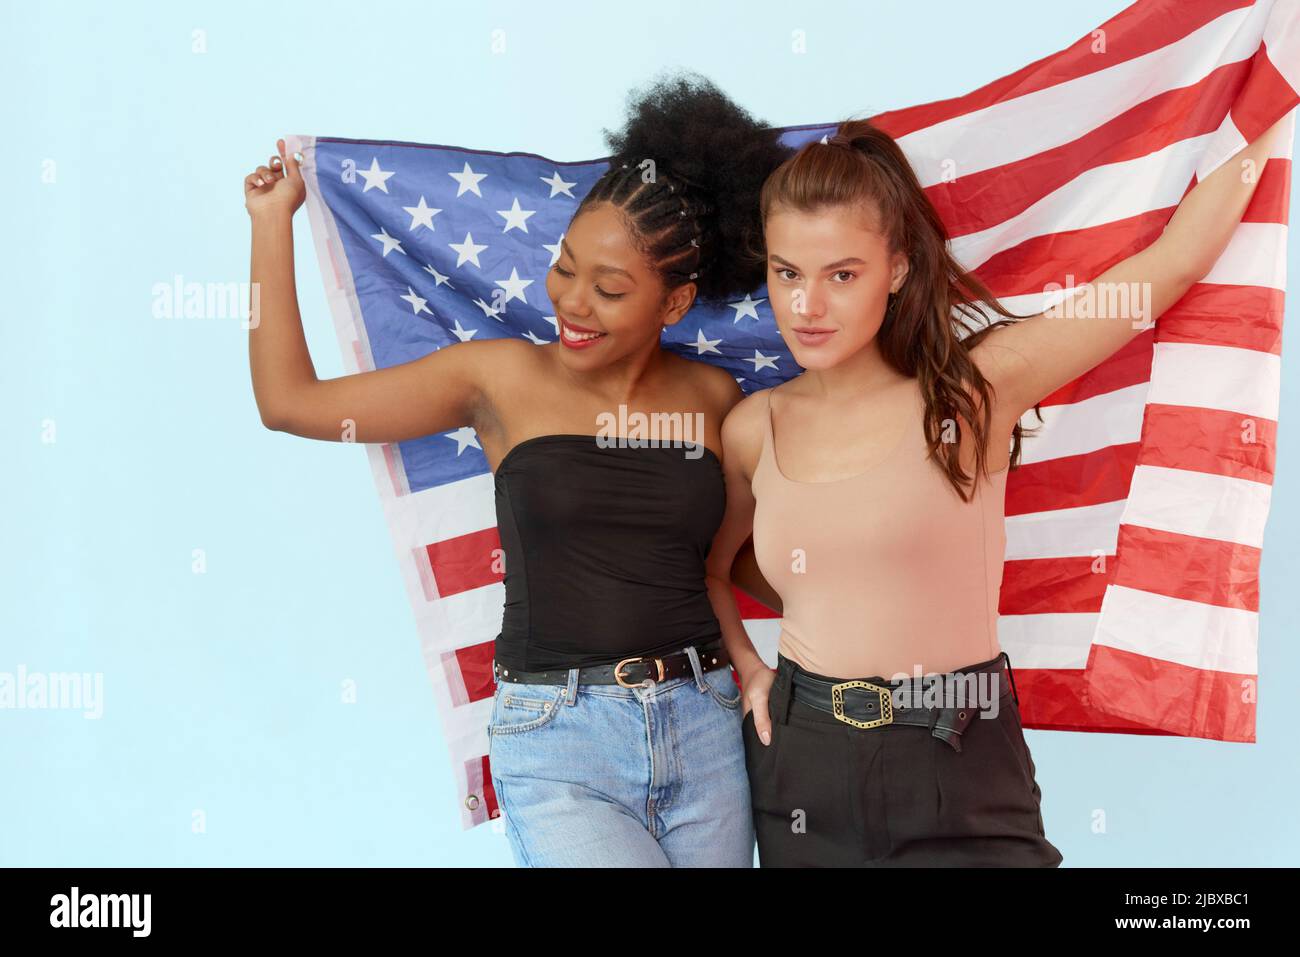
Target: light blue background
(222,690)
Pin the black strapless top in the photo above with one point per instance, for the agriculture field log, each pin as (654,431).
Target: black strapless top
(604,550)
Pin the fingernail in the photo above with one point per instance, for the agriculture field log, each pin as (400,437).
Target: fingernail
(767,737)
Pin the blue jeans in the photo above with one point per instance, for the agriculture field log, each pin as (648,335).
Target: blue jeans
(599,775)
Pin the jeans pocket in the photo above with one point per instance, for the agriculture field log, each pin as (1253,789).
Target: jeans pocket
(723,688)
(517,708)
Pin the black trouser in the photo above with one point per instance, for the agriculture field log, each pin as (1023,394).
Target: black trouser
(828,794)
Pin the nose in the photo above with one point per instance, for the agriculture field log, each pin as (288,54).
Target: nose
(806,303)
(571,300)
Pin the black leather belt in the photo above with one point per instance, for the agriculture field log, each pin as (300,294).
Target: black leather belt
(867,706)
(630,672)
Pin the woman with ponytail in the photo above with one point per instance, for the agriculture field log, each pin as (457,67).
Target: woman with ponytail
(615,733)
(873,485)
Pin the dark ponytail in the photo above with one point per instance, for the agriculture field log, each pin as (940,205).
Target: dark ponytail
(686,173)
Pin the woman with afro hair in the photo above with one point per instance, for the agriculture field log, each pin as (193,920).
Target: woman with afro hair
(615,735)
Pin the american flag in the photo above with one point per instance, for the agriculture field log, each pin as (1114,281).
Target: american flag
(1130,597)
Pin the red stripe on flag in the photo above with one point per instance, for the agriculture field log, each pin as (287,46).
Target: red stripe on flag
(1134,32)
(1207,570)
(466,562)
(1257,108)
(752,607)
(474,662)
(1047,261)
(1040,262)
(1054,699)
(1039,586)
(1211,314)
(489,792)
(1129,366)
(1177,699)
(1072,481)
(1271,201)
(1208,440)
(974,202)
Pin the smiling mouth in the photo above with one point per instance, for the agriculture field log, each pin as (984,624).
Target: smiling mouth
(576,334)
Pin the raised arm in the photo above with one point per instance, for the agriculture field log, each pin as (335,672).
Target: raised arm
(1028,361)
(740,449)
(435,393)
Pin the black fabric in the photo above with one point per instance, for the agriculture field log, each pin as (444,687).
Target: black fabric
(826,794)
(604,550)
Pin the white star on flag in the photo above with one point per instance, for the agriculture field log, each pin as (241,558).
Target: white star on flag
(490,311)
(467,251)
(558,185)
(468,180)
(389,242)
(464,438)
(515,286)
(746,307)
(418,305)
(375,176)
(422,215)
(703,345)
(438,278)
(516,218)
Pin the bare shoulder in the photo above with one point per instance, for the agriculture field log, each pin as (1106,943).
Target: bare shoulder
(743,431)
(507,352)
(499,367)
(714,381)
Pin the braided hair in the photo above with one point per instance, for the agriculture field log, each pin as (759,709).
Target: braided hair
(685,174)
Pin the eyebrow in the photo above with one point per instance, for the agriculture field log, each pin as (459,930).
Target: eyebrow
(600,268)
(838,264)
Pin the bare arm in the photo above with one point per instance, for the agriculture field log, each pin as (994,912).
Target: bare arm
(432,394)
(1031,359)
(735,530)
(749,578)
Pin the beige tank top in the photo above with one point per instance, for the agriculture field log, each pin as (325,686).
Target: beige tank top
(883,571)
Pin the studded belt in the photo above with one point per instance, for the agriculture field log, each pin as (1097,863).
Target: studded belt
(629,673)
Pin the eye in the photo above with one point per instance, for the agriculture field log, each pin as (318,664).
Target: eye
(610,295)
(562,271)
(846,272)
(781,271)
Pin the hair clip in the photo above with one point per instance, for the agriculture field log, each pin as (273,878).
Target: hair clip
(695,275)
(695,242)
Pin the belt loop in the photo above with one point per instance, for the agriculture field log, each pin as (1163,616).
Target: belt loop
(571,689)
(1012,675)
(694,656)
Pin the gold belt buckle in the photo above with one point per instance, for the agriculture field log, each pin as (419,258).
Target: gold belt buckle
(886,704)
(618,669)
